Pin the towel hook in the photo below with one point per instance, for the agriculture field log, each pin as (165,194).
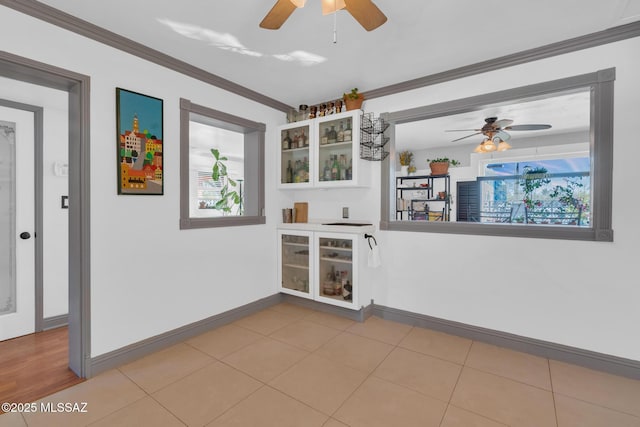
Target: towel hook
(369,237)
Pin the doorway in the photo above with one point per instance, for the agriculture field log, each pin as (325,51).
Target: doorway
(77,86)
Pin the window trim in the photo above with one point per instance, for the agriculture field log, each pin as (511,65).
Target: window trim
(230,122)
(601,84)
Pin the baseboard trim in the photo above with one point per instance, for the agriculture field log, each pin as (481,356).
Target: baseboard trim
(55,322)
(589,359)
(357,315)
(142,348)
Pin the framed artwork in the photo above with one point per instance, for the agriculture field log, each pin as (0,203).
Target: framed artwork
(139,120)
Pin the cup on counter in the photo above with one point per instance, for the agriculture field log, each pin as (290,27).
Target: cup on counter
(287,215)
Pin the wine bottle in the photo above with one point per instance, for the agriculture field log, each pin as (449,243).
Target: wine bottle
(333,135)
(289,173)
(335,169)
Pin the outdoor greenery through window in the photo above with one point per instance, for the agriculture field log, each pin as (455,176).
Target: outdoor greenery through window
(216,170)
(222,168)
(556,191)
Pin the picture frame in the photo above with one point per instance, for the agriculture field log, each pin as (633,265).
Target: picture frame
(139,136)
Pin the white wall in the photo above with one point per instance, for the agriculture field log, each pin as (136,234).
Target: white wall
(581,294)
(55,219)
(147,276)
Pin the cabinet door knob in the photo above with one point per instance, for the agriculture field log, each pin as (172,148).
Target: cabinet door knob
(25,235)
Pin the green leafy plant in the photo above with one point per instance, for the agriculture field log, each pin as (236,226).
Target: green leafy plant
(533,178)
(352,95)
(568,196)
(451,162)
(411,169)
(406,157)
(229,198)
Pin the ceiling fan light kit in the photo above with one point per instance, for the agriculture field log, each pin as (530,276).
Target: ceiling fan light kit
(363,11)
(331,6)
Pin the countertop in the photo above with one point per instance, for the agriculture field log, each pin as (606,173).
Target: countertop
(323,225)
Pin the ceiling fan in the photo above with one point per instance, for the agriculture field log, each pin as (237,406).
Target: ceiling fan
(364,11)
(495,132)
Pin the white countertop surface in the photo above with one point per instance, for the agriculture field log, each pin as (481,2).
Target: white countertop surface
(321,225)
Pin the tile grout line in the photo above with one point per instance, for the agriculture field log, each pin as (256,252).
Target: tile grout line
(466,357)
(369,375)
(553,393)
(464,365)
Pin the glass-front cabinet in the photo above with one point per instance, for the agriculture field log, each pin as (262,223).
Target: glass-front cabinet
(320,265)
(338,150)
(321,152)
(295,249)
(296,140)
(336,272)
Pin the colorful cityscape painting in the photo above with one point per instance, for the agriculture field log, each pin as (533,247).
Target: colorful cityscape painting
(140,161)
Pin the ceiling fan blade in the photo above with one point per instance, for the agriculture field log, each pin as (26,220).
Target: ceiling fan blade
(468,136)
(366,13)
(527,127)
(502,123)
(278,14)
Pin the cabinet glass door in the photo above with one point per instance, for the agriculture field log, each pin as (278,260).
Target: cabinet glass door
(294,159)
(295,276)
(335,271)
(336,150)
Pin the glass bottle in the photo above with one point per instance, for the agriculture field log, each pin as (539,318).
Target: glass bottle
(294,140)
(324,140)
(326,174)
(343,167)
(304,141)
(289,173)
(341,133)
(333,135)
(286,141)
(350,170)
(335,169)
(348,132)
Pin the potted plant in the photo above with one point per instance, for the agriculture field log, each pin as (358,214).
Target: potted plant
(411,170)
(440,165)
(353,100)
(405,157)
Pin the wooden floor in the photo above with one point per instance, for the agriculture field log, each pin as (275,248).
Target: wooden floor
(34,366)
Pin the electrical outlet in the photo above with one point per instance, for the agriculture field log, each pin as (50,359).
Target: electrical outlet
(345,212)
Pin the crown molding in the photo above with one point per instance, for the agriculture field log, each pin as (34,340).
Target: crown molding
(79,26)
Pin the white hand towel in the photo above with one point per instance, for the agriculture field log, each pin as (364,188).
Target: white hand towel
(374,256)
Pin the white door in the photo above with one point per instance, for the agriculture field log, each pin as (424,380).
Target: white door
(17,243)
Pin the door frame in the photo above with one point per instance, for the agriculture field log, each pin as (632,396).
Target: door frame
(38,123)
(78,86)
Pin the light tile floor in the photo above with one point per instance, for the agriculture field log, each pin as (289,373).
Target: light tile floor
(291,366)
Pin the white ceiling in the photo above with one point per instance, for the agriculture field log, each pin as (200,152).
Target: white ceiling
(300,63)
